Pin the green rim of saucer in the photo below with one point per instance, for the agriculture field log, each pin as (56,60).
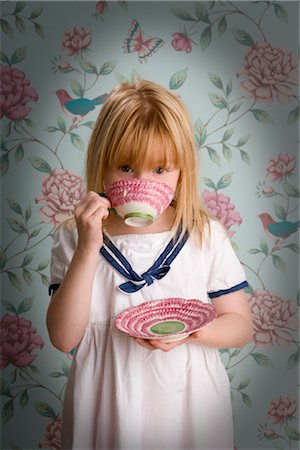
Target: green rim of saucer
(148,217)
(168,327)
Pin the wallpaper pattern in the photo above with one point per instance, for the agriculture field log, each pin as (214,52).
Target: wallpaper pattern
(235,65)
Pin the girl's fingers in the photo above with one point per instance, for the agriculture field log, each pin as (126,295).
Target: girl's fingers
(91,202)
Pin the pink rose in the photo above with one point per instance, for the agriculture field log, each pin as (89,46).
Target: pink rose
(76,40)
(61,191)
(280,166)
(17,340)
(282,409)
(15,93)
(220,207)
(181,43)
(274,319)
(52,436)
(101,7)
(269,72)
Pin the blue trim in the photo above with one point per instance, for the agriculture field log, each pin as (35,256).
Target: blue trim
(227,291)
(52,288)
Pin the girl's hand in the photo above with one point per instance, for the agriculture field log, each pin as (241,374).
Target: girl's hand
(89,214)
(156,344)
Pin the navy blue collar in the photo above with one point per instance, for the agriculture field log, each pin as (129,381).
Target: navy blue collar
(157,271)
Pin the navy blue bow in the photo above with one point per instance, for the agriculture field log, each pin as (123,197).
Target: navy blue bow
(157,271)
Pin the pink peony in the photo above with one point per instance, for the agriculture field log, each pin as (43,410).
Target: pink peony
(101,7)
(269,73)
(61,191)
(280,166)
(15,93)
(76,40)
(282,409)
(274,319)
(181,43)
(17,340)
(220,206)
(52,436)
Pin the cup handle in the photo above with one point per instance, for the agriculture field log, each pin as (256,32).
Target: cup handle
(102,194)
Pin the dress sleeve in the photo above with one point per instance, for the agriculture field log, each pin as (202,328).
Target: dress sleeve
(64,243)
(225,273)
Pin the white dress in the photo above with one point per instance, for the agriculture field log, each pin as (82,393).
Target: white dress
(120,395)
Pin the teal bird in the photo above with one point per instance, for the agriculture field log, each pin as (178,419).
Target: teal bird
(279,230)
(79,107)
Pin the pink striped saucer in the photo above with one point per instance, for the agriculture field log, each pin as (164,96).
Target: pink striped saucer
(169,319)
(138,200)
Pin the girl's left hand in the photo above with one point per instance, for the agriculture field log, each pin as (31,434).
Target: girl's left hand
(156,344)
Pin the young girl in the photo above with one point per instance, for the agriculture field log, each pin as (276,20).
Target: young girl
(124,392)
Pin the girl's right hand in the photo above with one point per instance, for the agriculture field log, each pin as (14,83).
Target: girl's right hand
(89,214)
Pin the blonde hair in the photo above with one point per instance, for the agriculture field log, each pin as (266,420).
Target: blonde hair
(132,120)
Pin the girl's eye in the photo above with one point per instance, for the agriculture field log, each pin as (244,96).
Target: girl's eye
(159,170)
(125,169)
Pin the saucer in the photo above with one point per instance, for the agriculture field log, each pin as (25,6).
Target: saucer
(168,319)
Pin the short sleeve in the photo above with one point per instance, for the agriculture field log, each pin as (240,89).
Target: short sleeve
(225,272)
(64,243)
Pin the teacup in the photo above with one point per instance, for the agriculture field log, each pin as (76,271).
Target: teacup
(138,200)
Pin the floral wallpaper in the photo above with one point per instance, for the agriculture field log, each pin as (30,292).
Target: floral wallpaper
(235,65)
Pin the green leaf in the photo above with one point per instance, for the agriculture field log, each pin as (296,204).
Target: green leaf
(19,153)
(231,376)
(201,12)
(88,66)
(227,152)
(36,13)
(61,124)
(200,132)
(291,191)
(52,129)
(293,360)
(28,213)
(214,156)
(45,280)
(14,205)
(246,399)
(77,88)
(20,24)
(205,38)
(227,135)
(183,15)
(27,277)
(229,88)
(14,280)
(279,263)
(262,360)
(243,384)
(27,259)
(243,141)
(261,116)
(18,55)
(39,30)
(264,246)
(242,37)
(292,433)
(4,164)
(254,251)
(10,307)
(7,29)
(7,411)
(235,108)
(294,247)
(107,67)
(23,399)
(40,164)
(19,7)
(293,116)
(281,12)
(25,305)
(2,258)
(280,211)
(77,141)
(56,374)
(17,226)
(177,79)
(224,181)
(245,156)
(222,26)
(209,183)
(4,388)
(120,78)
(35,232)
(90,124)
(216,80)
(43,265)
(44,409)
(65,369)
(4,58)
(218,101)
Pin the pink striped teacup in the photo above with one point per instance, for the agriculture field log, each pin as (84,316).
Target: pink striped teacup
(138,200)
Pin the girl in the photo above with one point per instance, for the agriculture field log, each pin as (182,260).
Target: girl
(122,392)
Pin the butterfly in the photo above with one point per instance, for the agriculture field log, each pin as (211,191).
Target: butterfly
(135,42)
